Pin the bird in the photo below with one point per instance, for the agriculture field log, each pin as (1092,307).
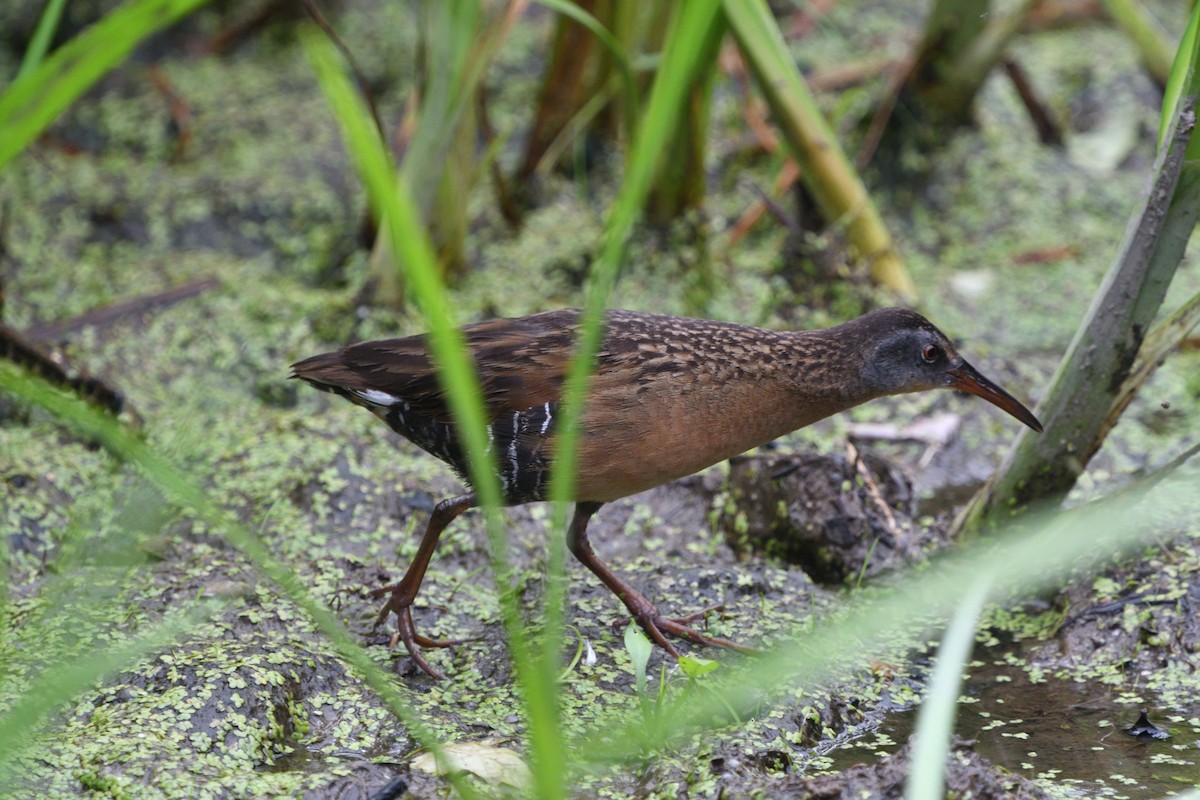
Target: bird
(669,396)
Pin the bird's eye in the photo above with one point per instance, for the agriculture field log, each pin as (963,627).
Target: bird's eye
(931,353)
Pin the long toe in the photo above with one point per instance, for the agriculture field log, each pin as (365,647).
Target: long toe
(395,604)
(657,627)
(425,641)
(681,630)
(380,591)
(701,614)
(408,635)
(400,604)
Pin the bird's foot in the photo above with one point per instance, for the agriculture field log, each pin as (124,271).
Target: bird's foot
(656,625)
(400,604)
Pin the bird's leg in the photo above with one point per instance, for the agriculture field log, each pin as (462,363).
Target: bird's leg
(687,619)
(405,592)
(642,610)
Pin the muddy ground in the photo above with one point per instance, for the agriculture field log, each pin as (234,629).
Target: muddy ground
(260,213)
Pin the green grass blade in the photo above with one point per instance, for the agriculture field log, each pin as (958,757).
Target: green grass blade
(829,175)
(935,721)
(178,489)
(684,44)
(401,223)
(607,40)
(1150,41)
(451,31)
(33,101)
(1187,58)
(47,25)
(1043,551)
(1075,408)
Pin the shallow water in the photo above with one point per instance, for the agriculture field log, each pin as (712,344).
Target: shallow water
(1070,734)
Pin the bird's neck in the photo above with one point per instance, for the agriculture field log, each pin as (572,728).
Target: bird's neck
(823,372)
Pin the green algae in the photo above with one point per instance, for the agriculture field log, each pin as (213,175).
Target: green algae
(252,703)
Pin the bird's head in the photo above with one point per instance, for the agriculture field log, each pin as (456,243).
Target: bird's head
(904,352)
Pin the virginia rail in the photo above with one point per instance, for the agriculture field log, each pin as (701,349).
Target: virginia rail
(669,396)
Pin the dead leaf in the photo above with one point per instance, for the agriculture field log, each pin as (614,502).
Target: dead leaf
(493,765)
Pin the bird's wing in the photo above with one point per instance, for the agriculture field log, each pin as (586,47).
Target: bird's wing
(521,363)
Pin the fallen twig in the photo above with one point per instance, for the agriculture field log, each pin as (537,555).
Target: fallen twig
(107,315)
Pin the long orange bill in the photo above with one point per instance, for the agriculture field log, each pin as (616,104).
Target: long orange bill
(968,379)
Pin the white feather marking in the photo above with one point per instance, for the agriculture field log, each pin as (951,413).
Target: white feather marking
(377,397)
(512,448)
(546,422)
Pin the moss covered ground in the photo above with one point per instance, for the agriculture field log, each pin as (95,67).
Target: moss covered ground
(1007,240)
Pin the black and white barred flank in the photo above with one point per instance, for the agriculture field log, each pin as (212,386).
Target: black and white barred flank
(519,441)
